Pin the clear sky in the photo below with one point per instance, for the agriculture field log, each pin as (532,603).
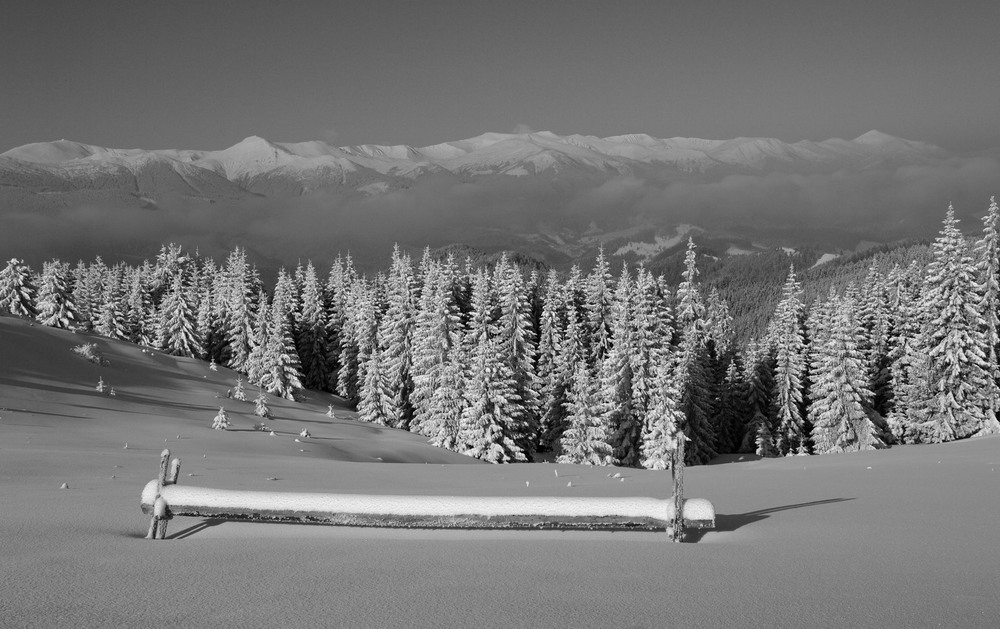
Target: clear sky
(206,74)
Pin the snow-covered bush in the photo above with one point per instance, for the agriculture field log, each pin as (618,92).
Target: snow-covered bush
(91,353)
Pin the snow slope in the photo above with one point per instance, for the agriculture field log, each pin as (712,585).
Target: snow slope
(903,537)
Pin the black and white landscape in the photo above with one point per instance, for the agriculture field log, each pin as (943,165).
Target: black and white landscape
(486,382)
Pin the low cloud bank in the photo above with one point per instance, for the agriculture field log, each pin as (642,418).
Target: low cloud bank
(880,204)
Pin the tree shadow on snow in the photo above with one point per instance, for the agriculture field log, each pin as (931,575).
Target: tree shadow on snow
(730,522)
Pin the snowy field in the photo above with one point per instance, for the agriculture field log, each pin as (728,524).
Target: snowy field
(899,538)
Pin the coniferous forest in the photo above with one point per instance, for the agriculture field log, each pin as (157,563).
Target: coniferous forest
(597,366)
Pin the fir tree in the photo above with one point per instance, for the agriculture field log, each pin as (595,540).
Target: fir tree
(395,338)
(516,343)
(790,368)
(447,404)
(586,440)
(312,343)
(261,407)
(239,393)
(952,337)
(548,368)
(177,332)
(375,403)
(841,406)
(493,417)
(987,254)
(17,293)
(664,426)
(55,302)
(221,421)
(280,372)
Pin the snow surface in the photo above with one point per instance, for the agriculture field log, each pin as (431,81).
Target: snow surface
(898,538)
(826,257)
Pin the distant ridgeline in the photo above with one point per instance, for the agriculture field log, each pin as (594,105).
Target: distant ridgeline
(894,345)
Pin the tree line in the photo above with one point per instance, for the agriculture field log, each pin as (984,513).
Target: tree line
(600,366)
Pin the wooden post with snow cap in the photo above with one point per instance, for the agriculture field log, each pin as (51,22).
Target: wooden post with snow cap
(175,471)
(677,475)
(158,523)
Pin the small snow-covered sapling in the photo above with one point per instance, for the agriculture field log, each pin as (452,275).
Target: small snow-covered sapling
(222,420)
(305,433)
(330,413)
(101,387)
(261,408)
(238,392)
(213,365)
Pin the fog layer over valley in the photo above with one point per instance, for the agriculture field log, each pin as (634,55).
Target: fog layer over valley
(286,202)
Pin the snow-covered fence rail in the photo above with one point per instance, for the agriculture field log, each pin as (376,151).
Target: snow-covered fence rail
(163,500)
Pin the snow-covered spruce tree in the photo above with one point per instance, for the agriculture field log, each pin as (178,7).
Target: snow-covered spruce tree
(841,403)
(139,313)
(759,437)
(280,371)
(718,324)
(598,308)
(261,408)
(987,254)
(877,320)
(494,415)
(311,322)
(907,364)
(110,320)
(663,427)
(237,307)
(221,421)
(586,440)
(648,353)
(254,363)
(239,393)
(695,378)
(733,410)
(615,377)
(547,366)
(516,340)
(176,333)
(357,340)
(338,282)
(375,403)
(17,293)
(952,336)
(447,403)
(395,338)
(790,368)
(55,302)
(437,341)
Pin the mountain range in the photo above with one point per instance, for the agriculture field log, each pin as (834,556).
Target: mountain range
(555,198)
(257,166)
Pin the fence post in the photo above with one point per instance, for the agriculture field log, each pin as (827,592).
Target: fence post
(156,531)
(677,475)
(175,471)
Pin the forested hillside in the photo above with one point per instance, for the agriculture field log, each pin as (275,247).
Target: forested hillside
(599,365)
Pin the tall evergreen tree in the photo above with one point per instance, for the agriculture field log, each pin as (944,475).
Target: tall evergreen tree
(987,254)
(586,440)
(790,368)
(55,302)
(952,336)
(841,405)
(177,330)
(17,292)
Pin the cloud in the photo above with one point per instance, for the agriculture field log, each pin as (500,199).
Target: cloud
(879,204)
(521,128)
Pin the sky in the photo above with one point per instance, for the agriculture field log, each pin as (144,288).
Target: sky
(204,75)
